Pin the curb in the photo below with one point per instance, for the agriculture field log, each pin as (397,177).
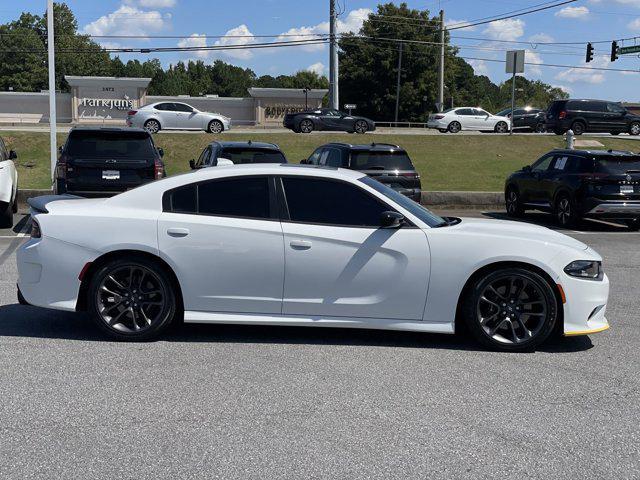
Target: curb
(439,199)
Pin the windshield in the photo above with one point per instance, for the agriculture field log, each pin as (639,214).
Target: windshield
(616,165)
(132,146)
(252,155)
(504,113)
(412,207)
(381,161)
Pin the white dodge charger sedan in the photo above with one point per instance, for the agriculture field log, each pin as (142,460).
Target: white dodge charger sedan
(468,118)
(306,246)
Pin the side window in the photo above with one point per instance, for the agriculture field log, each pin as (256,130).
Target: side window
(615,108)
(181,107)
(314,159)
(480,112)
(165,107)
(332,157)
(542,165)
(464,111)
(312,200)
(520,112)
(246,197)
(581,165)
(183,200)
(562,164)
(203,159)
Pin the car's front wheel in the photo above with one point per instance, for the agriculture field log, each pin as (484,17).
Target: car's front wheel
(306,126)
(361,127)
(215,126)
(501,127)
(132,298)
(152,126)
(578,128)
(510,308)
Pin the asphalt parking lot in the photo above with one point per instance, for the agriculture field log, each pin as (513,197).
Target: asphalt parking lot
(276,402)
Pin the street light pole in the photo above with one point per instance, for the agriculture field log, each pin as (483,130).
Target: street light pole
(52,88)
(334,87)
(441,66)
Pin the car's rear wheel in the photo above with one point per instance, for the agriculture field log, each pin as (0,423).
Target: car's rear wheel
(132,298)
(513,203)
(361,127)
(501,127)
(539,128)
(578,128)
(454,127)
(215,126)
(152,126)
(634,128)
(565,212)
(306,126)
(443,130)
(510,308)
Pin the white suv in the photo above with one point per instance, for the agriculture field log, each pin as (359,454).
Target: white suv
(468,118)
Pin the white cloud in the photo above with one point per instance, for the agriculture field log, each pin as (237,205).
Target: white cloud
(580,13)
(129,20)
(459,24)
(632,3)
(240,35)
(352,23)
(634,25)
(541,38)
(508,29)
(579,75)
(532,57)
(318,68)
(479,67)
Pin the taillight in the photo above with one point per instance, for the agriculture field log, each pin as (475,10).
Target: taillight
(438,117)
(131,113)
(158,169)
(62,166)
(562,114)
(35,229)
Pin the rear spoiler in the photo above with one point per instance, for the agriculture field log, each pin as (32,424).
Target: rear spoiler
(39,204)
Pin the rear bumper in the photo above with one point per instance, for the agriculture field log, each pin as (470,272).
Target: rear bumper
(598,208)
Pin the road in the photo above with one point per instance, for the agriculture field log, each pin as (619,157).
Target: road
(258,402)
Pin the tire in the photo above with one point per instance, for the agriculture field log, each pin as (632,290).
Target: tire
(125,283)
(454,127)
(6,215)
(539,128)
(634,128)
(511,308)
(578,128)
(513,203)
(361,127)
(443,130)
(152,126)
(215,127)
(14,207)
(306,126)
(501,127)
(633,224)
(565,212)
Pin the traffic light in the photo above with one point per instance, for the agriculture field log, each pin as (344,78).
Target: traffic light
(589,52)
(614,51)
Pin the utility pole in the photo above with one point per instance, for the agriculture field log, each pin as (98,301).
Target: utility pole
(441,70)
(398,82)
(52,89)
(513,92)
(334,87)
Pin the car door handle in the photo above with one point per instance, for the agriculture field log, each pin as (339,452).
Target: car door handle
(300,244)
(177,232)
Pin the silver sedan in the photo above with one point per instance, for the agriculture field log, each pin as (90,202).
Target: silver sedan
(176,116)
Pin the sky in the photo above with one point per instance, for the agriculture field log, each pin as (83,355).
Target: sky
(206,22)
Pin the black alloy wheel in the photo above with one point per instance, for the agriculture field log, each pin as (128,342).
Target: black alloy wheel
(512,309)
(634,128)
(454,127)
(501,127)
(361,127)
(513,204)
(132,299)
(539,128)
(306,126)
(565,212)
(578,128)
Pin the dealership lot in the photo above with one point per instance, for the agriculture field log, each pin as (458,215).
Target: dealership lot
(292,402)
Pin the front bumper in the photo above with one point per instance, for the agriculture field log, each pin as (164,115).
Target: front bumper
(586,305)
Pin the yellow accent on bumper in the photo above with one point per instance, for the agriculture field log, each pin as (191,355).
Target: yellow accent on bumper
(587,332)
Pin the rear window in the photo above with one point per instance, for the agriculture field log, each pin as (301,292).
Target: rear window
(381,161)
(118,145)
(555,107)
(615,165)
(252,155)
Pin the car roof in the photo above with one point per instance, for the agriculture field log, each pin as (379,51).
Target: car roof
(97,128)
(596,153)
(248,143)
(384,147)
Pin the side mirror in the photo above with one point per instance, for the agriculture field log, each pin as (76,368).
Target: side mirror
(304,161)
(526,168)
(192,164)
(391,219)
(161,152)
(224,162)
(12,155)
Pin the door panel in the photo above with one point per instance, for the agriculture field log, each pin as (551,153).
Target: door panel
(225,264)
(355,272)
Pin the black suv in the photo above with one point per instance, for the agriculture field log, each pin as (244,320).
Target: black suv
(104,161)
(590,116)
(526,118)
(387,163)
(579,183)
(238,153)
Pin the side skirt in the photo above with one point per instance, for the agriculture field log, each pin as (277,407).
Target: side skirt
(301,321)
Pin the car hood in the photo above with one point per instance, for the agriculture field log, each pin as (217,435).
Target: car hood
(517,231)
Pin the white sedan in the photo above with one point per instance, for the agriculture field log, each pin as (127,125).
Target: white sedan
(176,116)
(8,186)
(468,118)
(300,245)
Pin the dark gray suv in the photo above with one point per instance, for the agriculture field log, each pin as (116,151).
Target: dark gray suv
(590,116)
(238,153)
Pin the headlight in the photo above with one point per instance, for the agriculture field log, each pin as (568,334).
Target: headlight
(587,269)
